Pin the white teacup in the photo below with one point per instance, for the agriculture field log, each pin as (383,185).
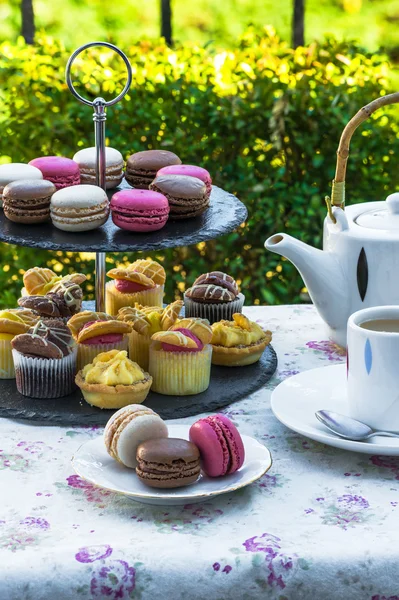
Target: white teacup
(373,367)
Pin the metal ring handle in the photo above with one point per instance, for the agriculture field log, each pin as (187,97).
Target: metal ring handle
(111,47)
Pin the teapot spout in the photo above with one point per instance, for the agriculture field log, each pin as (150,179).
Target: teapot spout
(321,272)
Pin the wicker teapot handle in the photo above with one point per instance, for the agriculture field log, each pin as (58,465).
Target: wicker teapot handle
(338,184)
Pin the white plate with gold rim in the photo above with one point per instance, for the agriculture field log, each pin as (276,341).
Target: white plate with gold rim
(295,401)
(93,464)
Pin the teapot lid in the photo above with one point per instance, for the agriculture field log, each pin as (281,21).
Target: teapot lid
(383,218)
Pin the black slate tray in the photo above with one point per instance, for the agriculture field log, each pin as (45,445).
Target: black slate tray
(228,384)
(225,214)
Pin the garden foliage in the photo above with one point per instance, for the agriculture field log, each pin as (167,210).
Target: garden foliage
(264,119)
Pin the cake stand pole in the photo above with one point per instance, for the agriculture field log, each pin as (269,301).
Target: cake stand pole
(99,118)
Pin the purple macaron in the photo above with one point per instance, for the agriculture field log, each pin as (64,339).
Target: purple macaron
(139,210)
(220,445)
(61,171)
(190,171)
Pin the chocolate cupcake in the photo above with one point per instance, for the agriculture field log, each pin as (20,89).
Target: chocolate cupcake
(213,296)
(142,167)
(62,303)
(45,360)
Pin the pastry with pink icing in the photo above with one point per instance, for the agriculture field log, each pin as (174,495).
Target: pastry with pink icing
(97,332)
(191,171)
(180,358)
(61,171)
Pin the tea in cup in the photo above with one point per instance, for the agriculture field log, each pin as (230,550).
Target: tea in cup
(373,367)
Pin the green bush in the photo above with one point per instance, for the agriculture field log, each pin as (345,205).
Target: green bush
(264,119)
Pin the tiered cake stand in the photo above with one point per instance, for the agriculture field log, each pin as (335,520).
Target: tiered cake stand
(225,213)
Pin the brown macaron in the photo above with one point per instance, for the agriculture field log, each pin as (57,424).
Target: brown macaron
(142,167)
(187,196)
(168,463)
(27,201)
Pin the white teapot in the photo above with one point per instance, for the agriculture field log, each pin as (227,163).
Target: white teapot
(359,264)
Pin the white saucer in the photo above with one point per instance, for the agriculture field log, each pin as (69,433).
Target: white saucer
(295,401)
(92,463)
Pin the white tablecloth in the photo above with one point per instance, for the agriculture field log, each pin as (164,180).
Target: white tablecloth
(322,523)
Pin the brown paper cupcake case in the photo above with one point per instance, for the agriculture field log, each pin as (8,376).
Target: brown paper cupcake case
(45,377)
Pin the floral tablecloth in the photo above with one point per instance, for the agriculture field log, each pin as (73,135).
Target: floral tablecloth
(322,523)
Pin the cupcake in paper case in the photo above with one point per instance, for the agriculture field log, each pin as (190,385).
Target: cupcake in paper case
(45,360)
(145,321)
(142,282)
(180,358)
(12,322)
(96,332)
(239,342)
(213,296)
(113,381)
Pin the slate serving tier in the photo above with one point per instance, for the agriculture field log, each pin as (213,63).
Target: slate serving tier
(224,215)
(228,384)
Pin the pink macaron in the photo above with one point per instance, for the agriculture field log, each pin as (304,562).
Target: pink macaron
(190,171)
(139,210)
(61,171)
(220,445)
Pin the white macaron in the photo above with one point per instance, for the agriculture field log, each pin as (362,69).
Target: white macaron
(128,428)
(79,208)
(86,159)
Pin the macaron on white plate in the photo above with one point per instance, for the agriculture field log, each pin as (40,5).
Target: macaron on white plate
(92,463)
(295,401)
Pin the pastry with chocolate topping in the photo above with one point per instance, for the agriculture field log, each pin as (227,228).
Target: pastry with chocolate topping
(45,360)
(213,296)
(63,303)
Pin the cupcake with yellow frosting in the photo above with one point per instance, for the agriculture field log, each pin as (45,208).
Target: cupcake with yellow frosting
(180,358)
(96,332)
(113,381)
(145,321)
(12,322)
(142,282)
(239,342)
(39,281)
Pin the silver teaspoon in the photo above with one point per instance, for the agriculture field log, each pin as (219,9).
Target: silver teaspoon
(349,428)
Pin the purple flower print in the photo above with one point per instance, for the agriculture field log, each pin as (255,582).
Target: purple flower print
(33,522)
(77,482)
(14,462)
(332,351)
(288,373)
(346,511)
(278,564)
(387,462)
(267,543)
(90,554)
(216,567)
(91,492)
(379,597)
(33,447)
(227,569)
(349,502)
(116,580)
(27,532)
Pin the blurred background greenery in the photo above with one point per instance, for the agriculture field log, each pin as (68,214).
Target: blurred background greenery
(263,118)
